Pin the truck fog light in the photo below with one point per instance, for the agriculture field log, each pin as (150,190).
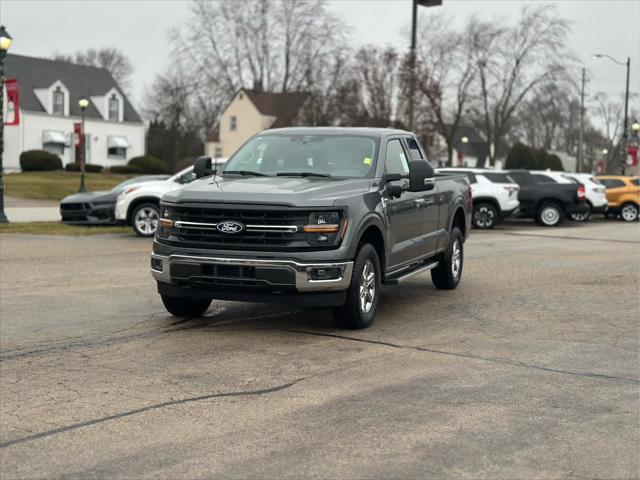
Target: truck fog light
(326,273)
(156,264)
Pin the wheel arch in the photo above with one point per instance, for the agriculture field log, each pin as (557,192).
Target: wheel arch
(139,201)
(459,219)
(371,231)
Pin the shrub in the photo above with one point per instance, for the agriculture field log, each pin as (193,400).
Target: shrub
(149,164)
(553,162)
(88,167)
(39,161)
(520,156)
(125,169)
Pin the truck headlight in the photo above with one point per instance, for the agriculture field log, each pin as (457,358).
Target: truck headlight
(165,223)
(323,228)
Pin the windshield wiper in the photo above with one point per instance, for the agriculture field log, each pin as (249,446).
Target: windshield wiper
(303,174)
(245,172)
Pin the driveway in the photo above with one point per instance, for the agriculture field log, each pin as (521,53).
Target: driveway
(528,369)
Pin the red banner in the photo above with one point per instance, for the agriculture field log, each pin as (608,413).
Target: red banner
(13,102)
(632,150)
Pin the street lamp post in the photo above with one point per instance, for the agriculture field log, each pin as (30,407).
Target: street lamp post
(84,103)
(625,133)
(5,43)
(412,56)
(464,141)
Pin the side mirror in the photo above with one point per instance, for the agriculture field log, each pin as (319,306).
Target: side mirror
(202,167)
(394,191)
(421,176)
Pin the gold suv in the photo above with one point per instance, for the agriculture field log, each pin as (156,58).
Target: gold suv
(623,195)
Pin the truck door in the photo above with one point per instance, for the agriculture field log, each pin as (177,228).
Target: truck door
(405,219)
(427,204)
(528,195)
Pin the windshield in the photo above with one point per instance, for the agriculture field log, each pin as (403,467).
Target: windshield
(344,156)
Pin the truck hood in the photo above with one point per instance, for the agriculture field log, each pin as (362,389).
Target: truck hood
(290,191)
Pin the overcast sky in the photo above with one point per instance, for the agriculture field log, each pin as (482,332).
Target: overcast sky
(139,28)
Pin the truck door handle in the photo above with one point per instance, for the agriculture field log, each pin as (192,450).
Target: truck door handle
(419,202)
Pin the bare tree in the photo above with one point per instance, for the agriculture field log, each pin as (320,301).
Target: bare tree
(446,70)
(511,62)
(111,59)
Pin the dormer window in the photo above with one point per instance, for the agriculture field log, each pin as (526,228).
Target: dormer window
(114,108)
(58,102)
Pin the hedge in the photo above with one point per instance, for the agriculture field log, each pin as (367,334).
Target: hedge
(149,164)
(125,169)
(39,161)
(88,167)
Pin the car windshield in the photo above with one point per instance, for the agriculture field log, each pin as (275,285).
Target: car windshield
(343,156)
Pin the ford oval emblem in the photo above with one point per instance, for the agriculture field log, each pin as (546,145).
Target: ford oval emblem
(230,226)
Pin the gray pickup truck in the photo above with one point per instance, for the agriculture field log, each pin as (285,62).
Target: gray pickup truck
(311,216)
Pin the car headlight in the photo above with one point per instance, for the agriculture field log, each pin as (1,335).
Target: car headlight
(323,228)
(165,223)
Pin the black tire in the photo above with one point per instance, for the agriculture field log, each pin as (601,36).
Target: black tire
(550,214)
(445,276)
(581,217)
(485,216)
(144,219)
(355,314)
(629,212)
(185,307)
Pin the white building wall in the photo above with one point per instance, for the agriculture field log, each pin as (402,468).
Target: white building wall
(29,136)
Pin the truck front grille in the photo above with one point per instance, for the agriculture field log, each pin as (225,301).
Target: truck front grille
(271,229)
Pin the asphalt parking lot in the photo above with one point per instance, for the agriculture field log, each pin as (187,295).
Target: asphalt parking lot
(530,369)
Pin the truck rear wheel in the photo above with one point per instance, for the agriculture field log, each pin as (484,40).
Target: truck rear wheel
(549,214)
(364,291)
(185,307)
(446,276)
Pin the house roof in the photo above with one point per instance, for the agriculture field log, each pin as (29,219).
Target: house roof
(283,106)
(34,73)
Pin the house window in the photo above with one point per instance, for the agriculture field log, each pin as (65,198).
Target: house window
(53,142)
(117,147)
(114,108)
(218,152)
(233,122)
(58,101)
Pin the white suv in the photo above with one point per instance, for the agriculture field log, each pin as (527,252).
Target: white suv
(495,195)
(139,205)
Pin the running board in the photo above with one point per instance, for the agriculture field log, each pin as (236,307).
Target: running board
(419,268)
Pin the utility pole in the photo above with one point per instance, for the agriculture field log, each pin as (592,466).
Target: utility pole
(625,132)
(412,56)
(581,136)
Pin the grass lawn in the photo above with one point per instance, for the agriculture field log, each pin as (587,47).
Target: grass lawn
(57,184)
(56,228)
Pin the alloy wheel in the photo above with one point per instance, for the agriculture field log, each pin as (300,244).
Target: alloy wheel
(456,258)
(367,286)
(147,220)
(484,217)
(629,213)
(550,215)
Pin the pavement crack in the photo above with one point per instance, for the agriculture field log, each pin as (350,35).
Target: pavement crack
(129,413)
(568,237)
(503,361)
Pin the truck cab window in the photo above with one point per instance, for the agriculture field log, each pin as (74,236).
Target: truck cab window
(396,161)
(414,149)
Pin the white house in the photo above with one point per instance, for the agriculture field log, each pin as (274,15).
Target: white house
(49,91)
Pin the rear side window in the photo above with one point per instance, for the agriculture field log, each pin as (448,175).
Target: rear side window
(539,178)
(521,179)
(414,149)
(470,175)
(612,182)
(635,181)
(498,177)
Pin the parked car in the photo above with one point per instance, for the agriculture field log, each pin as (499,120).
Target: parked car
(596,197)
(139,205)
(623,195)
(97,208)
(547,199)
(495,195)
(311,216)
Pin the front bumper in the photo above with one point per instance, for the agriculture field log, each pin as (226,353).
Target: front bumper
(87,214)
(261,275)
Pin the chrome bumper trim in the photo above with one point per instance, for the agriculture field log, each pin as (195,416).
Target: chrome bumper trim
(302,271)
(250,228)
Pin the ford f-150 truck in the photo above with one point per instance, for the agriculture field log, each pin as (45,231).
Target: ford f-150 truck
(311,216)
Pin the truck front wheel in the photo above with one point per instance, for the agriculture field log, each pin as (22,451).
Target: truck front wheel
(185,307)
(364,291)
(446,276)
